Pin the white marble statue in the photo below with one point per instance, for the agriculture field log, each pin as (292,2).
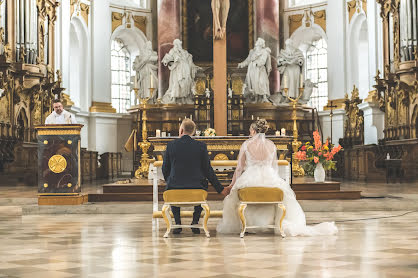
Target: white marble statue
(145,66)
(290,62)
(256,88)
(182,75)
(307,92)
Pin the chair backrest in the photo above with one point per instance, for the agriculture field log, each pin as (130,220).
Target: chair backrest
(185,195)
(260,194)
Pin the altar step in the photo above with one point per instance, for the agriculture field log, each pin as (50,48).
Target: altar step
(143,192)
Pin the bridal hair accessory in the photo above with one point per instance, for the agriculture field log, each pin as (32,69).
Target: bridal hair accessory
(260,126)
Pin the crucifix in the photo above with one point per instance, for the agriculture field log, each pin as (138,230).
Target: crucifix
(220,9)
(331,107)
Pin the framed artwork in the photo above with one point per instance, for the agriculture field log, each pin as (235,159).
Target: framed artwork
(197,21)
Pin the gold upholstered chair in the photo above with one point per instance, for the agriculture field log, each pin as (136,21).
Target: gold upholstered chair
(185,198)
(260,196)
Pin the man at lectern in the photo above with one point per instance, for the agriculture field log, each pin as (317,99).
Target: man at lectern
(59,116)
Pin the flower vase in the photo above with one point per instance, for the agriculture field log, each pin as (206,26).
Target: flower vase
(319,173)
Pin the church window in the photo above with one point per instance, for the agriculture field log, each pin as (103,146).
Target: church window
(121,72)
(317,72)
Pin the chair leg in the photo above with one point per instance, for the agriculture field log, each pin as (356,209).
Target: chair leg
(241,210)
(167,218)
(283,208)
(205,219)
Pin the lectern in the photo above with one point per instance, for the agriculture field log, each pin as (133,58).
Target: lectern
(59,175)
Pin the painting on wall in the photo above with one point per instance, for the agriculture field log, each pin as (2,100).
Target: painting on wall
(198,34)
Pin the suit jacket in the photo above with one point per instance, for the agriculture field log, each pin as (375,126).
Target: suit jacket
(187,166)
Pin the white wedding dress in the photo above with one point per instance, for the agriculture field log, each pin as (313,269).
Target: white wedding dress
(257,167)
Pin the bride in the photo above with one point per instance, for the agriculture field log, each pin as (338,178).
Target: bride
(257,167)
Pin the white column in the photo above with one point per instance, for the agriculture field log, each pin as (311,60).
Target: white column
(101,32)
(336,13)
(338,120)
(374,122)
(374,25)
(64,48)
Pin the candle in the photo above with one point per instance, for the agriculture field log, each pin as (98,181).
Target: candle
(258,118)
(163,134)
(151,80)
(191,117)
(252,117)
(277,133)
(179,119)
(158,133)
(301,81)
(135,81)
(285,82)
(283,132)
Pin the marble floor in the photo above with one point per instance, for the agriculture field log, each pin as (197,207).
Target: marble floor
(369,244)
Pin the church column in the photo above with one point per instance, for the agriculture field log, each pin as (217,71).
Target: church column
(374,25)
(267,28)
(168,30)
(102,121)
(101,75)
(336,18)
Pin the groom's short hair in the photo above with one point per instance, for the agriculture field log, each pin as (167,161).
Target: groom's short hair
(188,126)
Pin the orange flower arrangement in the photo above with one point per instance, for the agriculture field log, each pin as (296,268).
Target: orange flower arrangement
(318,153)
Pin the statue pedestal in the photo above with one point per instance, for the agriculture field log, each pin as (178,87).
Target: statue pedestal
(59,168)
(374,122)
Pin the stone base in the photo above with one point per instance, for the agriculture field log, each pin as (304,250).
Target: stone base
(62,200)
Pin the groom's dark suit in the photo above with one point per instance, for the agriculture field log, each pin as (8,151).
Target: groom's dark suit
(187,166)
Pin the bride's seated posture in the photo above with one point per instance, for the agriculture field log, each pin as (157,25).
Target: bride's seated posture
(257,167)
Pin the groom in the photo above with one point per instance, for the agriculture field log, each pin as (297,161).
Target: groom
(187,166)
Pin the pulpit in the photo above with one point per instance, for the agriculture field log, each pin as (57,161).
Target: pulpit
(59,167)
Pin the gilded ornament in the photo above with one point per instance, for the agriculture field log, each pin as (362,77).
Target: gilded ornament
(221,156)
(57,163)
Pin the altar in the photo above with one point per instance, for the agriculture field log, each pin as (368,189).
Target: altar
(223,147)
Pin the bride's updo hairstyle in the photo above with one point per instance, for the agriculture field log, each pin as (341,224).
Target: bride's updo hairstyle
(260,126)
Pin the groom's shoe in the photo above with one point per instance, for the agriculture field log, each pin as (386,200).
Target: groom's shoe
(177,231)
(196,231)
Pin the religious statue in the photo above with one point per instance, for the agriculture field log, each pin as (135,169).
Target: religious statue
(220,9)
(290,62)
(256,88)
(181,86)
(145,67)
(307,92)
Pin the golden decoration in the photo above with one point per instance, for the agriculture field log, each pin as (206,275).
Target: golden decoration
(320,18)
(57,163)
(104,107)
(140,23)
(295,21)
(45,142)
(69,185)
(69,142)
(354,124)
(116,20)
(45,185)
(85,10)
(221,156)
(200,86)
(237,85)
(58,132)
